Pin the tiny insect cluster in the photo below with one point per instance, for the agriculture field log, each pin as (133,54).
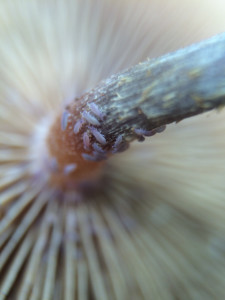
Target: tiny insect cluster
(88,126)
(93,139)
(95,144)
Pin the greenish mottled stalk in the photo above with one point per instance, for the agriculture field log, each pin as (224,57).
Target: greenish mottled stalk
(156,92)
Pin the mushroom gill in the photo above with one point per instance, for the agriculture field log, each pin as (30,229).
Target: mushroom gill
(144,224)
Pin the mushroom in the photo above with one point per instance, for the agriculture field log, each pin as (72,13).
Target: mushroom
(77,221)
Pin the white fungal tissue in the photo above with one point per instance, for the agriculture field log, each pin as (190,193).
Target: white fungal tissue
(118,141)
(69,168)
(77,126)
(143,132)
(86,141)
(97,148)
(96,110)
(98,135)
(90,118)
(89,157)
(64,120)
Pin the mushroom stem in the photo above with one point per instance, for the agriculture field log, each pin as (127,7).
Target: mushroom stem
(138,102)
(170,88)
